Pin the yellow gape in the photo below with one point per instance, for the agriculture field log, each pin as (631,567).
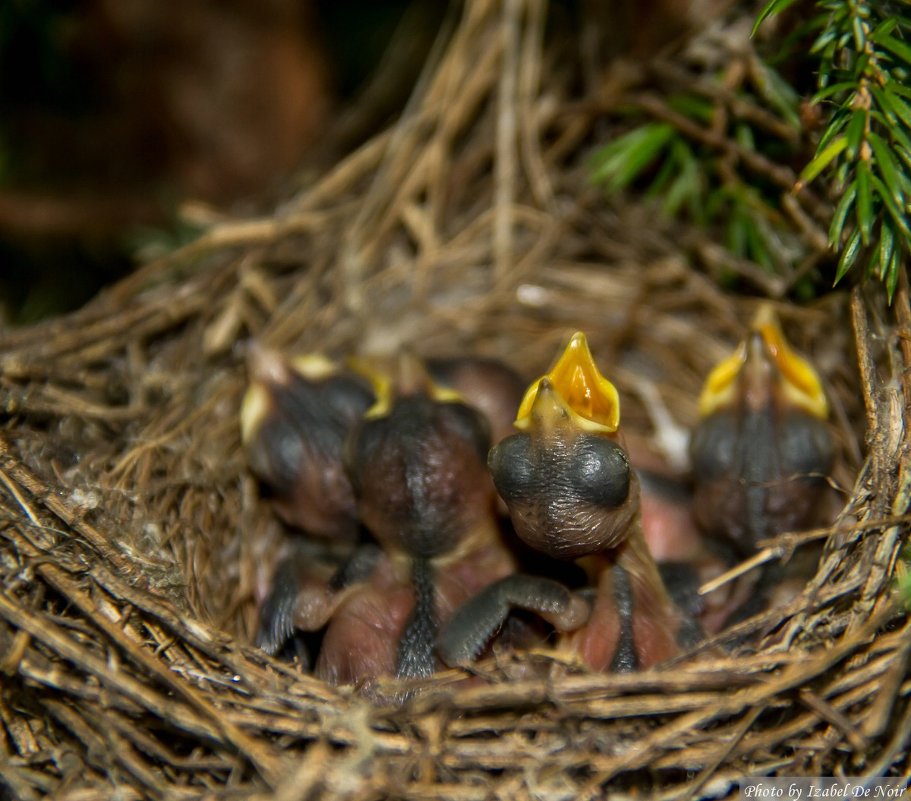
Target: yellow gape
(585,395)
(404,376)
(797,381)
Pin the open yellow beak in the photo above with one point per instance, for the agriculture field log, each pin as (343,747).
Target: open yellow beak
(588,398)
(798,381)
(405,376)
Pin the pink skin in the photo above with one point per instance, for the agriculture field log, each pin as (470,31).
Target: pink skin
(596,642)
(669,528)
(463,578)
(362,639)
(655,622)
(667,519)
(672,535)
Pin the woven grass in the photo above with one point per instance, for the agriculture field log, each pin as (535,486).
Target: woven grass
(132,538)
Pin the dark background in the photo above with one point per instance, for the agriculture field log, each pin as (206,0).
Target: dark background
(115,113)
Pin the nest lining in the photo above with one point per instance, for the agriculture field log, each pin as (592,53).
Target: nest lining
(132,536)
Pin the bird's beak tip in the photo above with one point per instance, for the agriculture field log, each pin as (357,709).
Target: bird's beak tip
(766,345)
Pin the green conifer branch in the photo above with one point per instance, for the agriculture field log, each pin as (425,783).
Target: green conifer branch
(864,153)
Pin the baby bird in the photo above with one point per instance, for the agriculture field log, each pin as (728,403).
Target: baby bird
(417,467)
(763,448)
(295,419)
(572,495)
(761,456)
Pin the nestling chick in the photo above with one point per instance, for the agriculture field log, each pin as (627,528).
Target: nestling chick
(763,448)
(572,495)
(761,456)
(417,464)
(295,419)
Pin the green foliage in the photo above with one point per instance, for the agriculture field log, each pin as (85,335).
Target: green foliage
(619,162)
(695,179)
(715,151)
(865,150)
(903,578)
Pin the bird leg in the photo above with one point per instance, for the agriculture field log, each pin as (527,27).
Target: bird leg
(480,618)
(304,595)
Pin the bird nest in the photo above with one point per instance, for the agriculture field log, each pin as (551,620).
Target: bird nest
(133,537)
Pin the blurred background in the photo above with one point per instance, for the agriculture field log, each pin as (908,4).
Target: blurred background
(128,126)
(115,113)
